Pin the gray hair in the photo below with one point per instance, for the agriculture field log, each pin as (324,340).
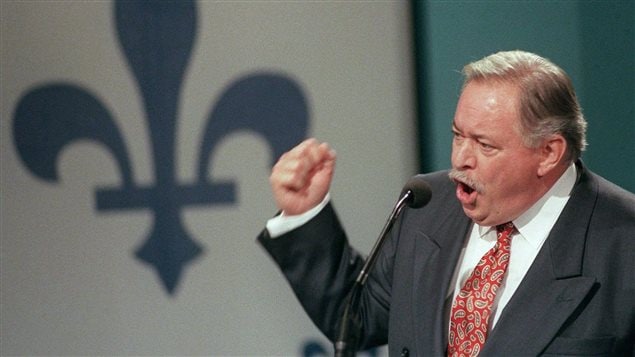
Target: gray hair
(548,103)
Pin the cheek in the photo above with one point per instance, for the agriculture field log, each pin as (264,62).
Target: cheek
(512,182)
(499,180)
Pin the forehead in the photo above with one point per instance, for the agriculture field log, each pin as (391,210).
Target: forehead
(487,105)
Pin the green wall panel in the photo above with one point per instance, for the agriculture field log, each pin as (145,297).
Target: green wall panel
(592,40)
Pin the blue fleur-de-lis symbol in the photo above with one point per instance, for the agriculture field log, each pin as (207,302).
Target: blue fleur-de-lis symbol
(157,39)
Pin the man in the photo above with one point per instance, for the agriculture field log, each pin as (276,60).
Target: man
(557,278)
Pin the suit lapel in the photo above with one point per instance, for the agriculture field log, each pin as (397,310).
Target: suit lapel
(537,311)
(554,286)
(433,271)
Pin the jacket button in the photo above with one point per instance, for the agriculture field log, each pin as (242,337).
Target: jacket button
(405,352)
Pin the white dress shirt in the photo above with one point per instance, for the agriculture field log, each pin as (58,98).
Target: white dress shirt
(533,227)
(283,223)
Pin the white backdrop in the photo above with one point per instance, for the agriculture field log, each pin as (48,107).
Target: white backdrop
(70,284)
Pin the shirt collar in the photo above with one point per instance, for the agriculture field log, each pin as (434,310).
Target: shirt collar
(535,224)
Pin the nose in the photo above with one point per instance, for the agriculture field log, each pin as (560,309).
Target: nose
(463,155)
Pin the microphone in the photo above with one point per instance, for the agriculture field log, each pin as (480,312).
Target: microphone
(416,193)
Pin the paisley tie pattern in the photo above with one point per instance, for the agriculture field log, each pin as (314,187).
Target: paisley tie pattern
(471,309)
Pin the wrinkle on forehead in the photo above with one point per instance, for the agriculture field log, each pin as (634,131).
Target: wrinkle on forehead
(488,100)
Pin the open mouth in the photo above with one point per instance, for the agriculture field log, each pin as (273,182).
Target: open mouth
(465,193)
(465,187)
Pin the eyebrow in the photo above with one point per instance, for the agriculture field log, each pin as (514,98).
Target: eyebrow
(475,136)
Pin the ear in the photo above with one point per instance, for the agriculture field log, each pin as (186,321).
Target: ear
(552,153)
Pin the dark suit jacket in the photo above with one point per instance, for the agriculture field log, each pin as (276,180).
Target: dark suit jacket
(578,297)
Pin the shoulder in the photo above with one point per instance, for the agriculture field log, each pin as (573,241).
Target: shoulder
(611,224)
(613,203)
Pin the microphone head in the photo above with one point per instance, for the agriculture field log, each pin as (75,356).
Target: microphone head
(420,192)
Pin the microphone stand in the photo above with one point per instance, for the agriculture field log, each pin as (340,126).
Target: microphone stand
(350,326)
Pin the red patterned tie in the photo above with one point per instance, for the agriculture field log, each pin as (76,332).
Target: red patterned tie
(471,309)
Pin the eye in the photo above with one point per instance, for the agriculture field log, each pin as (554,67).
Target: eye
(485,146)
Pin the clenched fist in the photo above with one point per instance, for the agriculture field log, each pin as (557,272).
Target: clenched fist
(302,176)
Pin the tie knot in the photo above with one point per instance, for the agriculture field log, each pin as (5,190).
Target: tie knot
(505,229)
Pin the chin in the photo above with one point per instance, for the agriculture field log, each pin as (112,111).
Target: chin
(481,220)
(473,216)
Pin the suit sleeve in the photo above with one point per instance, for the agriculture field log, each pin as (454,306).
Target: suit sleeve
(321,268)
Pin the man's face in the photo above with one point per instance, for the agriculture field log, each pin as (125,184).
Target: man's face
(496,175)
